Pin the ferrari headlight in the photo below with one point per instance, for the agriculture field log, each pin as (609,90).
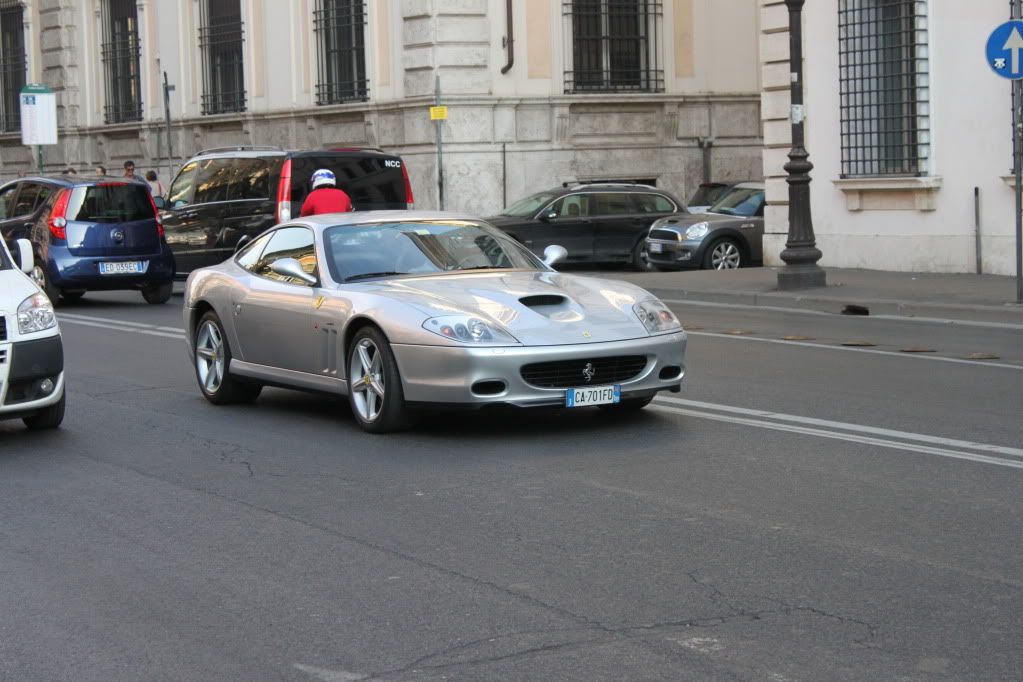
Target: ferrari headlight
(656,317)
(469,329)
(698,231)
(36,314)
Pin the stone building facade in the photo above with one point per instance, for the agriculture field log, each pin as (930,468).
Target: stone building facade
(908,128)
(539,92)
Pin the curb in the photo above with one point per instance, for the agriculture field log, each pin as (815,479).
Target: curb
(1008,313)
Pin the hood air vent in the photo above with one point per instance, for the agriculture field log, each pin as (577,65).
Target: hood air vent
(542,300)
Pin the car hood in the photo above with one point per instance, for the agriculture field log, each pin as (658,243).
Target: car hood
(685,220)
(14,288)
(538,308)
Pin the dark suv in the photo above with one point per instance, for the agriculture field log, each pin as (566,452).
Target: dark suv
(223,198)
(596,223)
(88,234)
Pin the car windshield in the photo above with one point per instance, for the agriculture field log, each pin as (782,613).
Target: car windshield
(404,248)
(741,201)
(527,207)
(707,194)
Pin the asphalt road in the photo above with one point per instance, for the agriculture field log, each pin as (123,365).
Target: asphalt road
(803,510)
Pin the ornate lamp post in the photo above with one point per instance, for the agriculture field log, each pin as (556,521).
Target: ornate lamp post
(801,253)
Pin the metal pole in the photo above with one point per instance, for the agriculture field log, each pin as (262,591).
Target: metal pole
(504,174)
(39,157)
(801,253)
(976,229)
(167,88)
(440,147)
(1017,163)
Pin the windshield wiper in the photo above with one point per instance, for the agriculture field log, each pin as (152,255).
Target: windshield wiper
(367,275)
(482,267)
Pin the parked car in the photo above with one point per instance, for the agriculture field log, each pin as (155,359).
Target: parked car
(730,235)
(707,194)
(223,198)
(31,352)
(89,234)
(402,310)
(596,223)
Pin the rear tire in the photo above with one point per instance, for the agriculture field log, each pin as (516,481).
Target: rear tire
(48,417)
(158,293)
(723,254)
(211,356)
(374,384)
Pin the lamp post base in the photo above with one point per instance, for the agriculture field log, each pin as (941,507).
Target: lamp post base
(807,276)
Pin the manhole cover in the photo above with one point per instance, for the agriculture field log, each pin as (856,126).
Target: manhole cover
(738,332)
(796,337)
(983,356)
(917,350)
(858,344)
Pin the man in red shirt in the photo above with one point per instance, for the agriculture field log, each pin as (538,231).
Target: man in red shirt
(325,197)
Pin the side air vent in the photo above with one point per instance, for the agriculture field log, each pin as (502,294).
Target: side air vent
(3,328)
(541,300)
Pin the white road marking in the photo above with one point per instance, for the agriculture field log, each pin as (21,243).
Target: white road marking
(849,437)
(844,426)
(121,325)
(329,675)
(850,349)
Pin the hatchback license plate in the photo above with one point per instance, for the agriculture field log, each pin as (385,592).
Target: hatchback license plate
(133,267)
(593,395)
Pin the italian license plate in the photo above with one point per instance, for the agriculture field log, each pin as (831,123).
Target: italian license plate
(132,267)
(655,247)
(593,395)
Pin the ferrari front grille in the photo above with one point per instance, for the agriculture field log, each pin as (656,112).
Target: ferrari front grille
(583,372)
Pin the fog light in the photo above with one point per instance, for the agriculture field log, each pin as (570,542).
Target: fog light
(46,386)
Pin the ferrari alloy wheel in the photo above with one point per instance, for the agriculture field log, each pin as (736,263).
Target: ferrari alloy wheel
(374,385)
(723,254)
(212,362)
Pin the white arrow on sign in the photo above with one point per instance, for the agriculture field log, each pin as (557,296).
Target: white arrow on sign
(1014,44)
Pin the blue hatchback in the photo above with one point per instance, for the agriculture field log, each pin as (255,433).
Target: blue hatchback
(89,234)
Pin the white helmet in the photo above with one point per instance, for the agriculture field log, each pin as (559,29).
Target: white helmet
(323,177)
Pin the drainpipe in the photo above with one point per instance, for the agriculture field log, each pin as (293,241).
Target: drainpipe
(705,144)
(508,42)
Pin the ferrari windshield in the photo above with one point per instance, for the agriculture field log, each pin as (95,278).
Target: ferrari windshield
(388,249)
(525,208)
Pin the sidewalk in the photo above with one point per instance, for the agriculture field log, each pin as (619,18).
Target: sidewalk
(963,297)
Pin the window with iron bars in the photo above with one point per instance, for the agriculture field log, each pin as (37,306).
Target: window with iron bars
(341,68)
(884,87)
(120,51)
(12,63)
(220,41)
(615,46)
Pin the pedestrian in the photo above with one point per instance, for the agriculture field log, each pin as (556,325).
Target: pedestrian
(155,186)
(129,169)
(101,170)
(70,171)
(325,197)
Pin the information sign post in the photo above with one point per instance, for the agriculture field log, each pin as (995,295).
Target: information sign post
(38,118)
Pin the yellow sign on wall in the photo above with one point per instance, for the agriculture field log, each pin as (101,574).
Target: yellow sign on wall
(439,113)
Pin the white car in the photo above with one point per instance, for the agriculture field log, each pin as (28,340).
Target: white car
(31,352)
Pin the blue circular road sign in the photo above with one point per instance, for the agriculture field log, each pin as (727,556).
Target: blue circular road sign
(1005,50)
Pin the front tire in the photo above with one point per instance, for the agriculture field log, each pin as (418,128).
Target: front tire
(212,357)
(723,254)
(158,294)
(48,417)
(639,259)
(374,384)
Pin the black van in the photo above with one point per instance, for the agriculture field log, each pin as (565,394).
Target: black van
(222,198)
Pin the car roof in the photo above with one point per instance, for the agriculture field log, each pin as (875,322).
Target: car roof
(251,152)
(750,185)
(362,218)
(77,180)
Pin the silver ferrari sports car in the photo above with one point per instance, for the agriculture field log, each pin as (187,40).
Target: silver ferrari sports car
(405,310)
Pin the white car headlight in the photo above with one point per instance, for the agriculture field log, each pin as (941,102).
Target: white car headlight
(469,329)
(697,231)
(36,314)
(656,317)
